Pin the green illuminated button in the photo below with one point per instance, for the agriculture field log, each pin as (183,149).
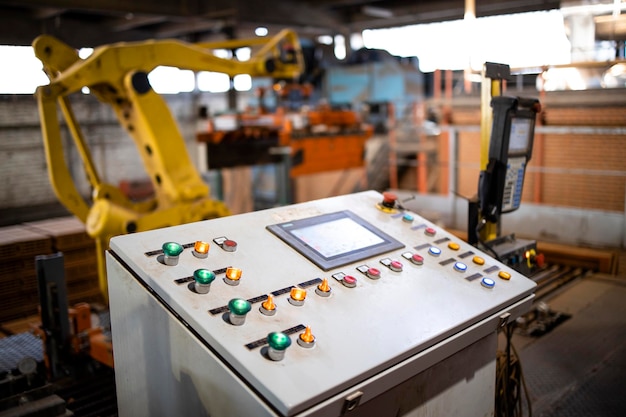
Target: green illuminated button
(278,342)
(171,251)
(238,309)
(203,278)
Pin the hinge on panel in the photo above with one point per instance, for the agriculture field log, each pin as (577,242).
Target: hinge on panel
(504,319)
(351,402)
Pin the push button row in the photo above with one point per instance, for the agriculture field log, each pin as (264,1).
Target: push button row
(171,251)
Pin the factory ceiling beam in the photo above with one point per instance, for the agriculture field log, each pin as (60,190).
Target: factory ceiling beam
(96,22)
(162,7)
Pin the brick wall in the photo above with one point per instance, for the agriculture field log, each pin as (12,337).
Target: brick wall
(573,168)
(23,167)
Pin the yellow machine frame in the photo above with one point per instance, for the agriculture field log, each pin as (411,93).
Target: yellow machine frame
(490,87)
(117,74)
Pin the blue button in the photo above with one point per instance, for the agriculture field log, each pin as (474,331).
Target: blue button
(434,251)
(460,266)
(407,218)
(488,283)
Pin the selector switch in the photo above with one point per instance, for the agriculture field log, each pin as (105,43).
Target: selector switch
(171,252)
(278,343)
(238,309)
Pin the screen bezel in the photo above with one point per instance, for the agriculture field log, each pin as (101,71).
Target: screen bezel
(284,232)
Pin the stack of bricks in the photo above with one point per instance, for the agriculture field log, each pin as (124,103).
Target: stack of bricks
(18,279)
(18,276)
(68,236)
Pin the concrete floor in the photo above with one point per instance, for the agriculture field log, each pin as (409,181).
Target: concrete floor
(579,368)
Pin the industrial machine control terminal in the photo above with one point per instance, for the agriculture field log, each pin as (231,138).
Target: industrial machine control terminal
(319,308)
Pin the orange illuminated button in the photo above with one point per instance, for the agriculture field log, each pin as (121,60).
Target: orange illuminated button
(504,275)
(454,246)
(306,339)
(268,307)
(201,249)
(323,290)
(478,260)
(297,296)
(233,275)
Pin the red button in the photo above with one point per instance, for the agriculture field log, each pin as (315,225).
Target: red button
(430,231)
(349,281)
(395,266)
(373,273)
(229,245)
(417,259)
(389,199)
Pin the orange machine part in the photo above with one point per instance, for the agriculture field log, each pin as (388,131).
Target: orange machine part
(101,348)
(328,153)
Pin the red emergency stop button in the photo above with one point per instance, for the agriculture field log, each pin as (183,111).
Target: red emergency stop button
(389,199)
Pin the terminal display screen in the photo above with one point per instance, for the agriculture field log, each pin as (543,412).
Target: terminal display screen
(335,239)
(519,139)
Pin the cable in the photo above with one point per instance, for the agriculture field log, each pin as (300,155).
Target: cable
(510,382)
(479,227)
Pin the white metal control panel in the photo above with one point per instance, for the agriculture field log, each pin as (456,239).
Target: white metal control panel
(356,287)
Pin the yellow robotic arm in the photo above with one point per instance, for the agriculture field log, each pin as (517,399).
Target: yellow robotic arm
(117,74)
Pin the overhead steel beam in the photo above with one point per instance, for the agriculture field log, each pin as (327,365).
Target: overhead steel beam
(162,7)
(132,21)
